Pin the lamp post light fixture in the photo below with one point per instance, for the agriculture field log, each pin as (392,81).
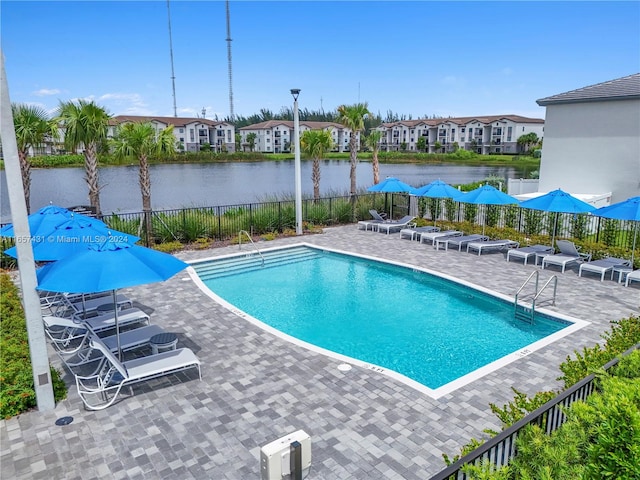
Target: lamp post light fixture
(296,145)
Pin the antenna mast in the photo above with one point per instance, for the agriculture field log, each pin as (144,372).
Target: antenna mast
(231,114)
(173,76)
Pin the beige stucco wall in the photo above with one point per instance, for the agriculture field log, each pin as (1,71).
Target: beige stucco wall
(592,147)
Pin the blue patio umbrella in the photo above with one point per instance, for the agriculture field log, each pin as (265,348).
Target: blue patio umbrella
(390,185)
(437,189)
(487,195)
(629,210)
(108,266)
(72,236)
(41,222)
(557,201)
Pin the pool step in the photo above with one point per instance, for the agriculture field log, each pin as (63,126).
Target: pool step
(253,261)
(524,314)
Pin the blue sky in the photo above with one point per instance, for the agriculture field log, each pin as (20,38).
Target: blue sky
(414,58)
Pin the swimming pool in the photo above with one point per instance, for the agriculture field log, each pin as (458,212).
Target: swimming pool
(431,332)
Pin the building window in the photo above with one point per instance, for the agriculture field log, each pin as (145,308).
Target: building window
(268,140)
(181,130)
(509,133)
(462,130)
(182,139)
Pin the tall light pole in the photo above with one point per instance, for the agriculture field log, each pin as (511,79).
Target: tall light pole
(296,145)
(35,331)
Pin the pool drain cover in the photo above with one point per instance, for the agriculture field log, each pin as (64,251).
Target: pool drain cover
(64,420)
(344,367)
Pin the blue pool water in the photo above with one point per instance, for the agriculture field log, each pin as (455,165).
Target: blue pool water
(429,329)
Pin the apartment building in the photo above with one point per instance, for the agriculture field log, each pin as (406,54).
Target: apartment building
(190,133)
(484,135)
(593,140)
(275,136)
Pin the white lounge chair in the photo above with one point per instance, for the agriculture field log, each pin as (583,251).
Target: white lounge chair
(80,353)
(430,237)
(377,218)
(113,374)
(535,251)
(568,255)
(631,276)
(396,225)
(602,266)
(65,304)
(461,241)
(414,233)
(492,245)
(66,329)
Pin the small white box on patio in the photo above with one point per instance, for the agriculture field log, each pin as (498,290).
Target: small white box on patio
(275,457)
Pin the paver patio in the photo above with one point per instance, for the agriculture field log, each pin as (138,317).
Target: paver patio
(257,387)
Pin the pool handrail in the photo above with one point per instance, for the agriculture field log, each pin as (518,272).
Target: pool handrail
(252,243)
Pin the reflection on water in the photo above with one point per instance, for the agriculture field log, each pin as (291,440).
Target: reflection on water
(186,185)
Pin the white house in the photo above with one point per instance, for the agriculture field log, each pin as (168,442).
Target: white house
(275,136)
(592,140)
(189,132)
(482,134)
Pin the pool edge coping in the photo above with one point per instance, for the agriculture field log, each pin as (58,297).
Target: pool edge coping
(575,324)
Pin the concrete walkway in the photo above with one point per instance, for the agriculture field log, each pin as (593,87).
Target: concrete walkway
(257,387)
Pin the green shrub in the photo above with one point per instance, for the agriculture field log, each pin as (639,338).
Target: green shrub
(493,215)
(317,213)
(520,407)
(579,226)
(17,392)
(609,231)
(343,212)
(470,211)
(168,247)
(511,215)
(451,208)
(629,366)
(611,419)
(624,334)
(532,221)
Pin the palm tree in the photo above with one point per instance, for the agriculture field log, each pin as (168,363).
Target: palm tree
(315,144)
(141,140)
(251,140)
(85,124)
(33,127)
(352,117)
(373,142)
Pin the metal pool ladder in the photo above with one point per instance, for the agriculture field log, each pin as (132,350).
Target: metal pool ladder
(252,243)
(527,313)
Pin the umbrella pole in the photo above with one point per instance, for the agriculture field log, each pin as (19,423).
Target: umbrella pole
(484,219)
(633,249)
(553,234)
(115,316)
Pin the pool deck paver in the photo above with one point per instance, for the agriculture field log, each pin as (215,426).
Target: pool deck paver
(257,387)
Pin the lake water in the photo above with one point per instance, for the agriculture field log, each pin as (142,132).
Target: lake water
(189,185)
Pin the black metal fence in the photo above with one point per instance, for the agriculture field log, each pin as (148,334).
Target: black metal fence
(223,222)
(549,417)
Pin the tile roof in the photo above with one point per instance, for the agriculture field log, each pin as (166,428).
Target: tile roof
(289,124)
(619,89)
(176,121)
(486,119)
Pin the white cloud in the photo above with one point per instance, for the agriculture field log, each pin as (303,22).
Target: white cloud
(45,92)
(121,98)
(453,81)
(188,112)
